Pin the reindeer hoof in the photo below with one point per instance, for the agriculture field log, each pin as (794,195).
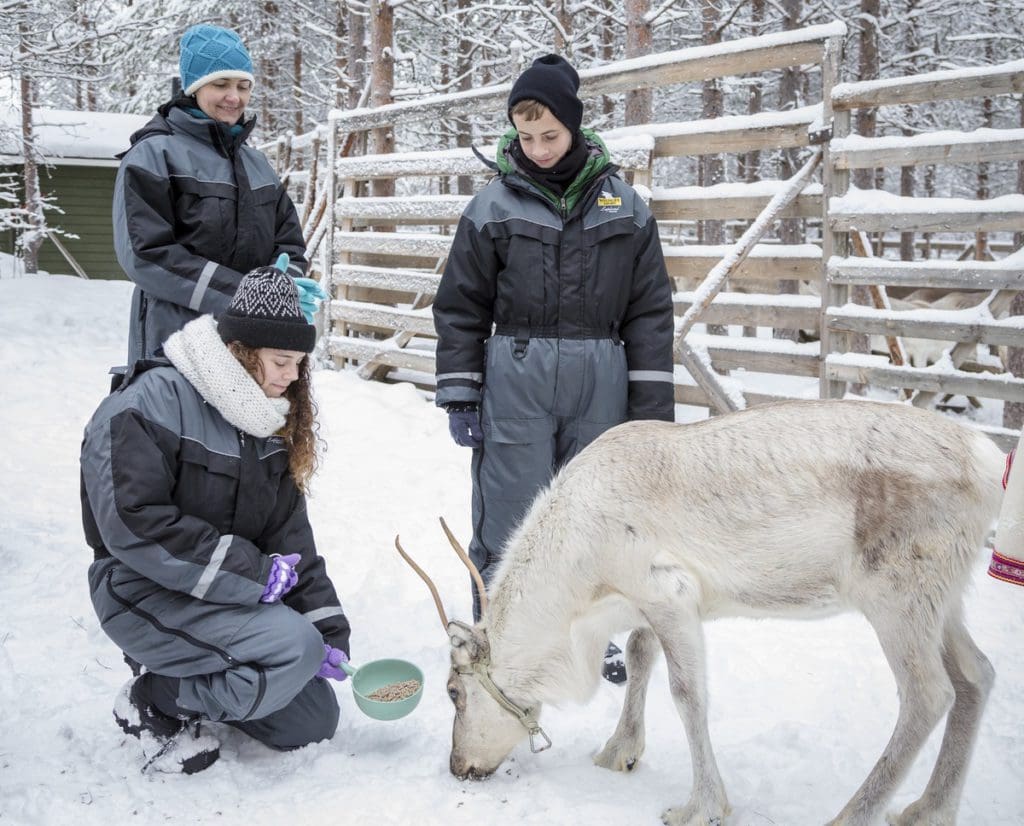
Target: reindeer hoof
(917,814)
(686,816)
(619,758)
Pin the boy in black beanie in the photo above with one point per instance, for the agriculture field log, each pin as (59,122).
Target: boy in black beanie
(554,314)
(547,114)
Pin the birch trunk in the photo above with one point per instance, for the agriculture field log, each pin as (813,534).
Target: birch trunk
(32,238)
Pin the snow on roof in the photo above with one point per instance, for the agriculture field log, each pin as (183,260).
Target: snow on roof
(64,135)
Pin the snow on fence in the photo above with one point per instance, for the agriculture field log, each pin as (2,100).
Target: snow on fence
(959,364)
(382,255)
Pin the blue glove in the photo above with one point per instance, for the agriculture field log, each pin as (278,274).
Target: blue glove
(310,296)
(331,668)
(310,291)
(464,425)
(282,577)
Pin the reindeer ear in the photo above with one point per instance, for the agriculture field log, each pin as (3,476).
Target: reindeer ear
(468,643)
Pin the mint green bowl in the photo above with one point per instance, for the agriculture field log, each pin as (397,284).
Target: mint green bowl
(377,674)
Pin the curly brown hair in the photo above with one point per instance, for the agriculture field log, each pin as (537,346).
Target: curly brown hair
(301,430)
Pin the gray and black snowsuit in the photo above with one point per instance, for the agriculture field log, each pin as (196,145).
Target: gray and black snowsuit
(182,511)
(194,210)
(555,316)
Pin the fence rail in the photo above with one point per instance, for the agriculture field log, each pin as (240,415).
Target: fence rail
(382,255)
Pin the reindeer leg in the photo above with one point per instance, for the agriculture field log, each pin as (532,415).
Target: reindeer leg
(913,650)
(626,745)
(678,627)
(972,676)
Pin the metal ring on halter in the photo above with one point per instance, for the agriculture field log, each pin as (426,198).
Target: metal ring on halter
(482,671)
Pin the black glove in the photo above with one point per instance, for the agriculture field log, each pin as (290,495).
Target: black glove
(464,423)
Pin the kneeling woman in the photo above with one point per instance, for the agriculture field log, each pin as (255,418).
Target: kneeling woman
(205,571)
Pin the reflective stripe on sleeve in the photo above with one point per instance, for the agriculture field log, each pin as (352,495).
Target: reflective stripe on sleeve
(201,285)
(650,375)
(477,377)
(216,560)
(323,613)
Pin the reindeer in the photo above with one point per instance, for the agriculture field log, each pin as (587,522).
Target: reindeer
(794,509)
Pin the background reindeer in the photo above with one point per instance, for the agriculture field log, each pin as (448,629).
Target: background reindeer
(796,509)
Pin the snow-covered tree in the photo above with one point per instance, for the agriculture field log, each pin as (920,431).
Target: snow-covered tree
(47,45)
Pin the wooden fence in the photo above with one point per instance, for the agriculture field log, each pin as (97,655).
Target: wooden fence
(382,256)
(849,261)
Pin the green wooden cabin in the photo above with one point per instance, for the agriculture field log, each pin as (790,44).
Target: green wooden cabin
(80,149)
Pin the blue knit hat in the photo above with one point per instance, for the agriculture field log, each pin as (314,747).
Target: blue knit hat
(209,53)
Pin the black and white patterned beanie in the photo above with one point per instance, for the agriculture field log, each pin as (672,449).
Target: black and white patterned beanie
(265,313)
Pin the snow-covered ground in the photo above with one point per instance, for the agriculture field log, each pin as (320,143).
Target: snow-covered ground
(799,711)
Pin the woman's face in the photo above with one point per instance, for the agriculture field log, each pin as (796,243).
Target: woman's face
(224,99)
(545,141)
(278,369)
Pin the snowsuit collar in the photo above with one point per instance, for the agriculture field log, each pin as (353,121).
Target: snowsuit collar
(558,176)
(198,353)
(174,116)
(598,162)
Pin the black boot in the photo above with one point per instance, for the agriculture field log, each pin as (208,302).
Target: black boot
(170,743)
(614,668)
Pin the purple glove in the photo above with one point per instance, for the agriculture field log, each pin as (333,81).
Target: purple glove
(283,577)
(464,426)
(330,668)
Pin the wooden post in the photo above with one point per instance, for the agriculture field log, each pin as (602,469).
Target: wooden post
(835,182)
(862,247)
(374,369)
(330,195)
(715,280)
(309,196)
(706,378)
(67,255)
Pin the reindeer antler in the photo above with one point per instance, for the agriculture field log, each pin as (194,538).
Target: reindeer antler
(473,572)
(426,579)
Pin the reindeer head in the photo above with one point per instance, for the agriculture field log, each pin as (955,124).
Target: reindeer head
(487,725)
(485,730)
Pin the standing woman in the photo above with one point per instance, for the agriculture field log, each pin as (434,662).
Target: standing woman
(195,207)
(205,571)
(560,258)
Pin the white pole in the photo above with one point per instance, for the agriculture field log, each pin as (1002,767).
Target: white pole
(1008,553)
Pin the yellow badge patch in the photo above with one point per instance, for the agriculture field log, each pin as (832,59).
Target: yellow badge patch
(608,200)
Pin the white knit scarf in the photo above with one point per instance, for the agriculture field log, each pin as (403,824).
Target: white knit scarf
(202,358)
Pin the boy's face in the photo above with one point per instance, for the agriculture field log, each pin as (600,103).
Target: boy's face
(545,141)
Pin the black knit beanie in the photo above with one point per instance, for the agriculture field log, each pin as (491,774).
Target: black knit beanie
(265,313)
(553,82)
